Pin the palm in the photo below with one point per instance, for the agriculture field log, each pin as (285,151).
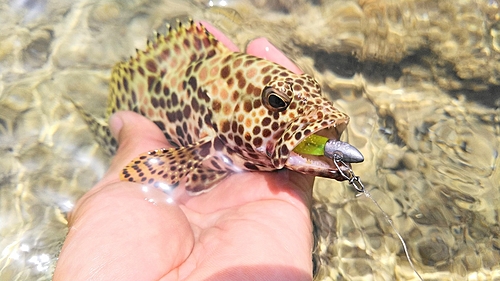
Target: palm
(260,225)
(252,226)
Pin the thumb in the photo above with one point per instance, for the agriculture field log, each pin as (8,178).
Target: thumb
(135,135)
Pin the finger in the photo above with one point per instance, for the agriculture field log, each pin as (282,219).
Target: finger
(262,48)
(220,36)
(135,135)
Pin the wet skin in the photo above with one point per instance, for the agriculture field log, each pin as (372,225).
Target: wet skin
(253,226)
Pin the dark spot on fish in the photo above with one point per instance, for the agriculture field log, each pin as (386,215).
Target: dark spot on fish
(210,54)
(216,106)
(249,147)
(265,70)
(187,112)
(206,42)
(215,164)
(179,115)
(170,116)
(218,145)
(250,88)
(266,133)
(205,149)
(194,177)
(175,101)
(266,121)
(298,135)
(160,125)
(186,42)
(224,73)
(125,84)
(192,83)
(154,102)
(165,53)
(238,140)
(151,80)
(197,66)
(256,130)
(188,71)
(195,105)
(141,70)
(134,97)
(225,126)
(203,177)
(203,95)
(223,138)
(208,119)
(234,126)
(257,142)
(247,106)
(197,43)
(235,96)
(179,132)
(157,88)
(151,66)
(250,166)
(118,102)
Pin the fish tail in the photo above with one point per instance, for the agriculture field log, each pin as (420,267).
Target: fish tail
(100,130)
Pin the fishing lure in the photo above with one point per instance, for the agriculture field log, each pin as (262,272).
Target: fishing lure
(331,148)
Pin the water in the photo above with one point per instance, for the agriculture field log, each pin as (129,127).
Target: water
(418,78)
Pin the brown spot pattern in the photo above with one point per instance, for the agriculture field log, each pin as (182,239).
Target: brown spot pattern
(217,126)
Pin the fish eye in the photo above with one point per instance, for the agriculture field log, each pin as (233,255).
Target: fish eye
(274,100)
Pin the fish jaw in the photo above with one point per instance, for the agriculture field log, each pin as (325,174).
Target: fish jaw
(320,165)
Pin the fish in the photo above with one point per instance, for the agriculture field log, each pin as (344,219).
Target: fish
(223,112)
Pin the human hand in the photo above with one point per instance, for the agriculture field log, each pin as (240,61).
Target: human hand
(251,226)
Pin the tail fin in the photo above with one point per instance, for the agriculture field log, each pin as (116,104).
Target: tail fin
(100,130)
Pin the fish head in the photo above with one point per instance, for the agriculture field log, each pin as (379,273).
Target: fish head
(303,110)
(269,123)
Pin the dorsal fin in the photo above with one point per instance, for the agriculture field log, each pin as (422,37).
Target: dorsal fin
(171,53)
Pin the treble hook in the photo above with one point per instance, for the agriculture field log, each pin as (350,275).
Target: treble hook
(352,178)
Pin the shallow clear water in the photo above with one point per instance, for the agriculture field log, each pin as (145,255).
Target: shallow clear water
(418,78)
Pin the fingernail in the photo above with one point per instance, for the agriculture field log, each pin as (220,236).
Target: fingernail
(261,47)
(115,125)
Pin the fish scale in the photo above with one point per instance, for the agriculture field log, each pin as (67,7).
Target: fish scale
(222,111)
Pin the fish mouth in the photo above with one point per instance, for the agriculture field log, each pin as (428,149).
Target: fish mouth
(319,165)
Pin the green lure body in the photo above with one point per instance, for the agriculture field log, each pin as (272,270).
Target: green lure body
(312,145)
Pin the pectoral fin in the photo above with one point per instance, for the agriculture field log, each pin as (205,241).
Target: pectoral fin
(203,179)
(164,168)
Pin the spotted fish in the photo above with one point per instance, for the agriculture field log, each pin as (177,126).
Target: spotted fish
(222,111)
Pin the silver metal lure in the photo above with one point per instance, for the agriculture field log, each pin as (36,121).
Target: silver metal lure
(339,150)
